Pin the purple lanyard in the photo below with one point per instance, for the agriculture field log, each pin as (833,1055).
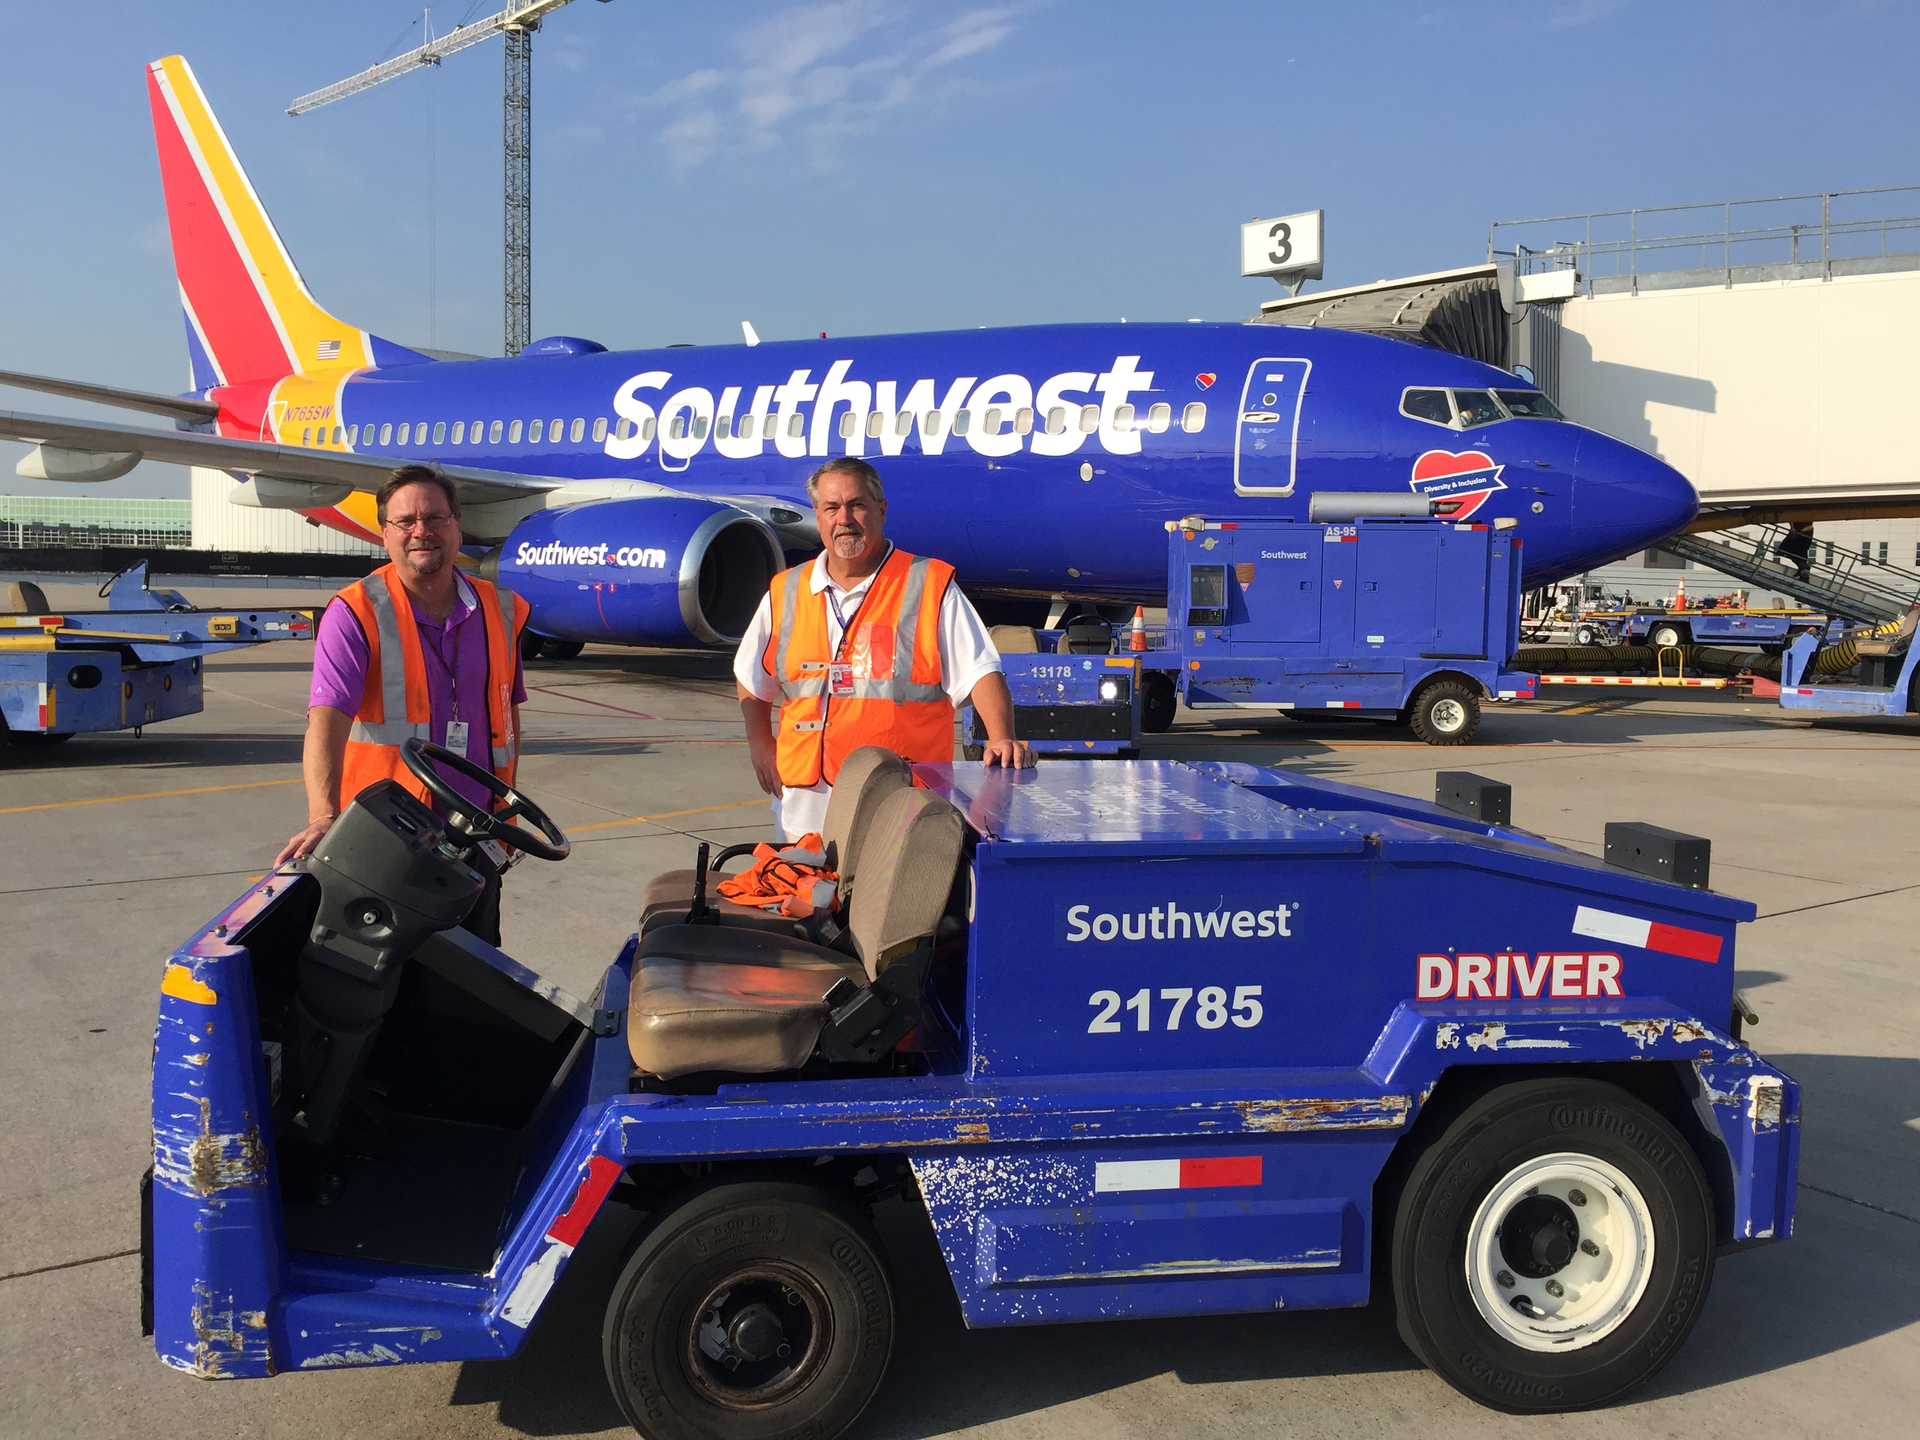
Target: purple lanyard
(845,628)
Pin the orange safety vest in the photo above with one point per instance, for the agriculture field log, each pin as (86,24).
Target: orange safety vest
(893,647)
(394,704)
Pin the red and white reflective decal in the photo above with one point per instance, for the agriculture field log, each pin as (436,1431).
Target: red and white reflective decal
(601,1173)
(1343,704)
(1209,1172)
(1646,934)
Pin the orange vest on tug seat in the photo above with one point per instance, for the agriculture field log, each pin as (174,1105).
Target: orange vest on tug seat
(394,704)
(893,646)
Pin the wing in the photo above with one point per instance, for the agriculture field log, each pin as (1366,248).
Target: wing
(174,407)
(324,470)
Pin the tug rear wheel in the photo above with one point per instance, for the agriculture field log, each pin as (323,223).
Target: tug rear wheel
(752,1311)
(1447,712)
(1553,1248)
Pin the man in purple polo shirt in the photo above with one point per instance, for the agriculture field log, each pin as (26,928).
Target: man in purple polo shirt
(419,515)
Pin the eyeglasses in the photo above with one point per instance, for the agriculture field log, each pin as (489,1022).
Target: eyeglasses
(411,522)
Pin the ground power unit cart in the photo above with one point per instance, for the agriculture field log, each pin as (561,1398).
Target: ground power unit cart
(1132,1038)
(1402,619)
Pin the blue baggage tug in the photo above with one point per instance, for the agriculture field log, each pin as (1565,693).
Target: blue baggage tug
(1141,1038)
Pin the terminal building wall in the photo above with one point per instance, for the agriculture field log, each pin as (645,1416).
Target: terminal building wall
(218,524)
(1803,385)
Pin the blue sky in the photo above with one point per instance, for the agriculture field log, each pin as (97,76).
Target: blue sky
(866,166)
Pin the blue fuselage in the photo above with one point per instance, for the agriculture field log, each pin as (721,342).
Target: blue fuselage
(1148,423)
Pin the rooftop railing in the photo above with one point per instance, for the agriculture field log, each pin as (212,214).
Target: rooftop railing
(1812,236)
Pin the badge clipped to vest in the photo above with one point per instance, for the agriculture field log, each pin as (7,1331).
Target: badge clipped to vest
(839,679)
(457,737)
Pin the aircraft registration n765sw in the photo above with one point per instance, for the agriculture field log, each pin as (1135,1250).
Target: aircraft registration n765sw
(647,496)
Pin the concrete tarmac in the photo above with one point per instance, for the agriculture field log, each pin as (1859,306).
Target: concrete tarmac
(116,848)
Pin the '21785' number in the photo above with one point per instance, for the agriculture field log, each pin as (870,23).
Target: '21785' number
(1210,1008)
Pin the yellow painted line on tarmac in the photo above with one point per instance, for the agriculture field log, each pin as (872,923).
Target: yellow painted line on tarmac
(670,815)
(149,795)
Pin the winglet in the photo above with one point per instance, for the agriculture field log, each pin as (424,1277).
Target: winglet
(746,328)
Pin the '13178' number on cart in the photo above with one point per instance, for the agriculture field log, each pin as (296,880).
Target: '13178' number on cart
(1208,1007)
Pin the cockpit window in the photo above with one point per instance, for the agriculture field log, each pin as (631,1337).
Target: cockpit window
(1428,405)
(1529,405)
(1476,408)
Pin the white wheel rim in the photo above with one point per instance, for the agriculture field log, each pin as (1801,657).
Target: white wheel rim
(1447,716)
(1599,1284)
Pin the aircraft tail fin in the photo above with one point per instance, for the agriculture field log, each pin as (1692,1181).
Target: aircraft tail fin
(249,314)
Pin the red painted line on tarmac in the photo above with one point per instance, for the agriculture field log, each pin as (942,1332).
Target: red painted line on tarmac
(582,700)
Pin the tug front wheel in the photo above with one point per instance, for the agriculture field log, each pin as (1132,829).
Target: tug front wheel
(1447,712)
(1553,1248)
(1158,702)
(752,1311)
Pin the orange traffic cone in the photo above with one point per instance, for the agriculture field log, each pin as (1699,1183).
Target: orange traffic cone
(1138,641)
(1680,594)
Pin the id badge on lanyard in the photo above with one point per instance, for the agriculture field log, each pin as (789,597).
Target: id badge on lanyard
(840,669)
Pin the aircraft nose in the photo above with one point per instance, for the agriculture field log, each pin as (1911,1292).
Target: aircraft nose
(1625,499)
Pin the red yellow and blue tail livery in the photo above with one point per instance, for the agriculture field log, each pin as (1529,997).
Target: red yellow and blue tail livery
(646,497)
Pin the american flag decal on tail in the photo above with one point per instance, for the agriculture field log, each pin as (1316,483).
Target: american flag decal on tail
(328,350)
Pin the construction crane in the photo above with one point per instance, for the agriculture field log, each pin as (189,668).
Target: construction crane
(516,23)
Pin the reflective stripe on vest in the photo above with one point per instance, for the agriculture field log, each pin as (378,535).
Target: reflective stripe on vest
(390,648)
(498,607)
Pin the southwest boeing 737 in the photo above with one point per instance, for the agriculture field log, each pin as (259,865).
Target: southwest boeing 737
(646,497)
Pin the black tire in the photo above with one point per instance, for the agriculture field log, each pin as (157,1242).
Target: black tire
(729,1274)
(41,738)
(1662,637)
(1446,712)
(1585,635)
(1158,702)
(562,649)
(531,645)
(1451,1225)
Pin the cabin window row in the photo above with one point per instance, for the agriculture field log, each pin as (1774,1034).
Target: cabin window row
(463,432)
(995,420)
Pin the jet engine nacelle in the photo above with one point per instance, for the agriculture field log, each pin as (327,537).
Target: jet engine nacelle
(653,570)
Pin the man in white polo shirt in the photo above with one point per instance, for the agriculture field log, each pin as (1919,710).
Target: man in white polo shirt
(867,645)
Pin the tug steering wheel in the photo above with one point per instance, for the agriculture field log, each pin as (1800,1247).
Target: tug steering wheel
(468,819)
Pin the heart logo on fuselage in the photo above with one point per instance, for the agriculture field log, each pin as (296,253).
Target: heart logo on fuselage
(1465,478)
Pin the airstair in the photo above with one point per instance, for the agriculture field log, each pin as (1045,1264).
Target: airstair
(1848,584)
